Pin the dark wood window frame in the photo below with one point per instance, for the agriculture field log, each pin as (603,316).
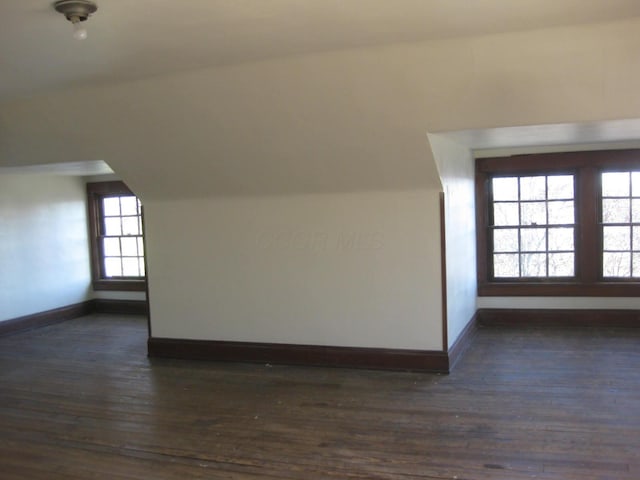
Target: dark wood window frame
(96,191)
(587,166)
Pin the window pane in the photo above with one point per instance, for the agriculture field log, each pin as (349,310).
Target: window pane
(111,206)
(505,188)
(635,184)
(534,265)
(617,238)
(533,213)
(130,226)
(112,267)
(635,210)
(112,227)
(636,265)
(636,239)
(505,214)
(560,239)
(616,210)
(130,267)
(560,187)
(129,205)
(616,264)
(533,188)
(534,208)
(505,240)
(129,246)
(533,239)
(140,246)
(505,265)
(615,184)
(561,265)
(111,247)
(561,213)
(141,267)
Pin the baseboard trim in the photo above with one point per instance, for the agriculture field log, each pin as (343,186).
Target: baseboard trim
(464,340)
(48,317)
(559,317)
(127,307)
(69,312)
(293,354)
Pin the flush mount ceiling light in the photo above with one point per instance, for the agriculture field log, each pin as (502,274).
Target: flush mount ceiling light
(76,11)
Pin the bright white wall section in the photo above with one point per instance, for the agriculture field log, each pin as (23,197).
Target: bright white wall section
(609,303)
(338,269)
(456,166)
(43,244)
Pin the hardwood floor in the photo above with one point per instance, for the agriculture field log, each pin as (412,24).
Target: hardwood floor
(80,400)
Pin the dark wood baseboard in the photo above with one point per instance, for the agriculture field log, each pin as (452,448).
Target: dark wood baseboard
(311,355)
(559,317)
(69,312)
(465,339)
(128,307)
(49,317)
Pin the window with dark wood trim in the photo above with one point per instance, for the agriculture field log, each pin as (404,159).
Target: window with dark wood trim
(560,224)
(117,242)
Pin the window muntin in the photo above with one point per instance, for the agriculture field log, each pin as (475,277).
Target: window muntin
(121,237)
(620,224)
(606,232)
(117,237)
(532,226)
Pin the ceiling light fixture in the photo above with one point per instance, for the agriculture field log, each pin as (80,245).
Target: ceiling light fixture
(76,11)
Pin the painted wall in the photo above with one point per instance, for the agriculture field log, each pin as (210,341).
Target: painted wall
(44,254)
(350,122)
(324,269)
(612,303)
(456,166)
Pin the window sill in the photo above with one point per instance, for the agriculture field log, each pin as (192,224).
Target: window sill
(557,289)
(121,285)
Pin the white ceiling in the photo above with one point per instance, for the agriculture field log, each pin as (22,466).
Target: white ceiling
(131,39)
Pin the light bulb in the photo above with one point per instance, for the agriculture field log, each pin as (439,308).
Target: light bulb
(79,32)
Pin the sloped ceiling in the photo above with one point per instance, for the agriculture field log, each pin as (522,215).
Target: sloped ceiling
(349,119)
(134,39)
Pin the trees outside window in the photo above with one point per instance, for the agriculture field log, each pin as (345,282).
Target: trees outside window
(117,241)
(559,224)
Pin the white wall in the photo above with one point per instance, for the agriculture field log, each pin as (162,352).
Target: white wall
(327,269)
(456,166)
(44,254)
(613,303)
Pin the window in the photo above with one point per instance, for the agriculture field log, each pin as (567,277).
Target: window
(621,224)
(117,243)
(533,226)
(559,224)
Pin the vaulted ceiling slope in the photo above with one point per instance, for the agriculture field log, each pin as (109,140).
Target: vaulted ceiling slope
(134,39)
(340,121)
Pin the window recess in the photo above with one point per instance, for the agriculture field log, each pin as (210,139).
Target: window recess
(559,224)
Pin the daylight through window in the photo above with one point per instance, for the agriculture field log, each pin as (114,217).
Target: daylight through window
(621,224)
(117,242)
(533,226)
(559,224)
(122,246)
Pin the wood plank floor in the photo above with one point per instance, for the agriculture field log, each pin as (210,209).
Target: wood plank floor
(80,400)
